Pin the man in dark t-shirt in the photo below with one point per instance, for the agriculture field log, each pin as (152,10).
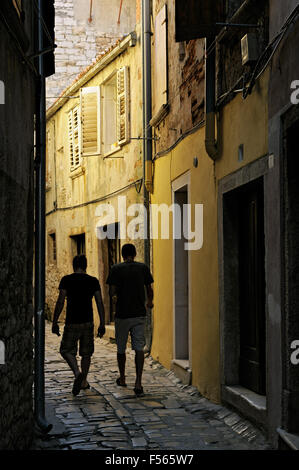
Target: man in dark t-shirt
(79,288)
(128,281)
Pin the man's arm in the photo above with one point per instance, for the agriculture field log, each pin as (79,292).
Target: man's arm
(150,296)
(101,312)
(58,309)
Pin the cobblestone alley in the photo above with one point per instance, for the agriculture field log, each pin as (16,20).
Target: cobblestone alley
(169,416)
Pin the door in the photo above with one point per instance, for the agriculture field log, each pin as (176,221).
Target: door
(113,258)
(252,287)
(181,284)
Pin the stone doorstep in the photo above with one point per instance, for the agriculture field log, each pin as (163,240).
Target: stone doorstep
(182,371)
(292,440)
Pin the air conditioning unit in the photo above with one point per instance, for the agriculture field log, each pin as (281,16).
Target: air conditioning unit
(249,48)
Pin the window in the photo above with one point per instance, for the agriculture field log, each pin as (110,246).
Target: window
(115,98)
(52,249)
(101,123)
(74,137)
(78,244)
(109,96)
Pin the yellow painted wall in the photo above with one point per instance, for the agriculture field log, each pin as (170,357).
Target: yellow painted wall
(242,122)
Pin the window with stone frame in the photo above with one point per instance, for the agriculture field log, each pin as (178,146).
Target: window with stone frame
(115,111)
(52,248)
(104,119)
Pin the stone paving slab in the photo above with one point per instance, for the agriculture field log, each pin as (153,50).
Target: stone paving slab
(171,416)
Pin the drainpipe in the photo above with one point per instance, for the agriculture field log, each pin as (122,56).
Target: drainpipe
(147,114)
(210,137)
(147,144)
(39,313)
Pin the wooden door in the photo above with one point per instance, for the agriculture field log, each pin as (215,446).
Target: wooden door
(252,287)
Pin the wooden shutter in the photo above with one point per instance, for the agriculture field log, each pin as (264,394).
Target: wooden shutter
(123,105)
(160,88)
(90,120)
(74,137)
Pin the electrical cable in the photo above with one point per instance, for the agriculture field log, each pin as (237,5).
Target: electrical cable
(19,47)
(102,198)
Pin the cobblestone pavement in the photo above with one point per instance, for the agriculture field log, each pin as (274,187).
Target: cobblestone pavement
(170,416)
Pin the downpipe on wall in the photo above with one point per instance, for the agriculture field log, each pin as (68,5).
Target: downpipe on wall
(147,115)
(147,142)
(211,143)
(39,293)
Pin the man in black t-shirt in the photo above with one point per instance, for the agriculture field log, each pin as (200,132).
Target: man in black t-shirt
(79,288)
(127,282)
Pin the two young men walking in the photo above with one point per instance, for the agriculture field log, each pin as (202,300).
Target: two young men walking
(127,283)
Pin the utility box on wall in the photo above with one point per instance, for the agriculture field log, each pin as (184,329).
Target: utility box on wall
(249,48)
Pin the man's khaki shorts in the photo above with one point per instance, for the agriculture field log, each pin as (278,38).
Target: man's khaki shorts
(134,326)
(74,333)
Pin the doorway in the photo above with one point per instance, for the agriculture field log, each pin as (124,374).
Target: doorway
(181,283)
(109,252)
(252,287)
(244,287)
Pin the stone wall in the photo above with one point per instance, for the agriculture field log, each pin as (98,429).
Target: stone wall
(186,79)
(16,246)
(80,38)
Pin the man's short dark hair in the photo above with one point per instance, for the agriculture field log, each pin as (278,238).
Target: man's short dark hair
(128,250)
(80,262)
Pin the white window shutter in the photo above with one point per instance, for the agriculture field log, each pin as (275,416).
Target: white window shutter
(90,99)
(76,133)
(74,137)
(71,142)
(123,135)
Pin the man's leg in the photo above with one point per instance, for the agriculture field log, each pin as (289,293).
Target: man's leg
(68,349)
(72,362)
(121,360)
(85,364)
(139,361)
(138,343)
(86,350)
(121,337)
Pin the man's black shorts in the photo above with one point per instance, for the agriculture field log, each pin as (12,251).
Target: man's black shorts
(74,333)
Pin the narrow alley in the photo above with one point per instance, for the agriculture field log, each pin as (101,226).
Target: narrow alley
(170,416)
(149,185)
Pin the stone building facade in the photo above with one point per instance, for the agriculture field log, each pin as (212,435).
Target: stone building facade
(16,222)
(83,29)
(80,179)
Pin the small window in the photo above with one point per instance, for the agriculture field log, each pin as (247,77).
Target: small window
(52,249)
(109,100)
(115,106)
(78,244)
(74,137)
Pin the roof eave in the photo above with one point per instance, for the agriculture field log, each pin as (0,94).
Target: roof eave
(129,40)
